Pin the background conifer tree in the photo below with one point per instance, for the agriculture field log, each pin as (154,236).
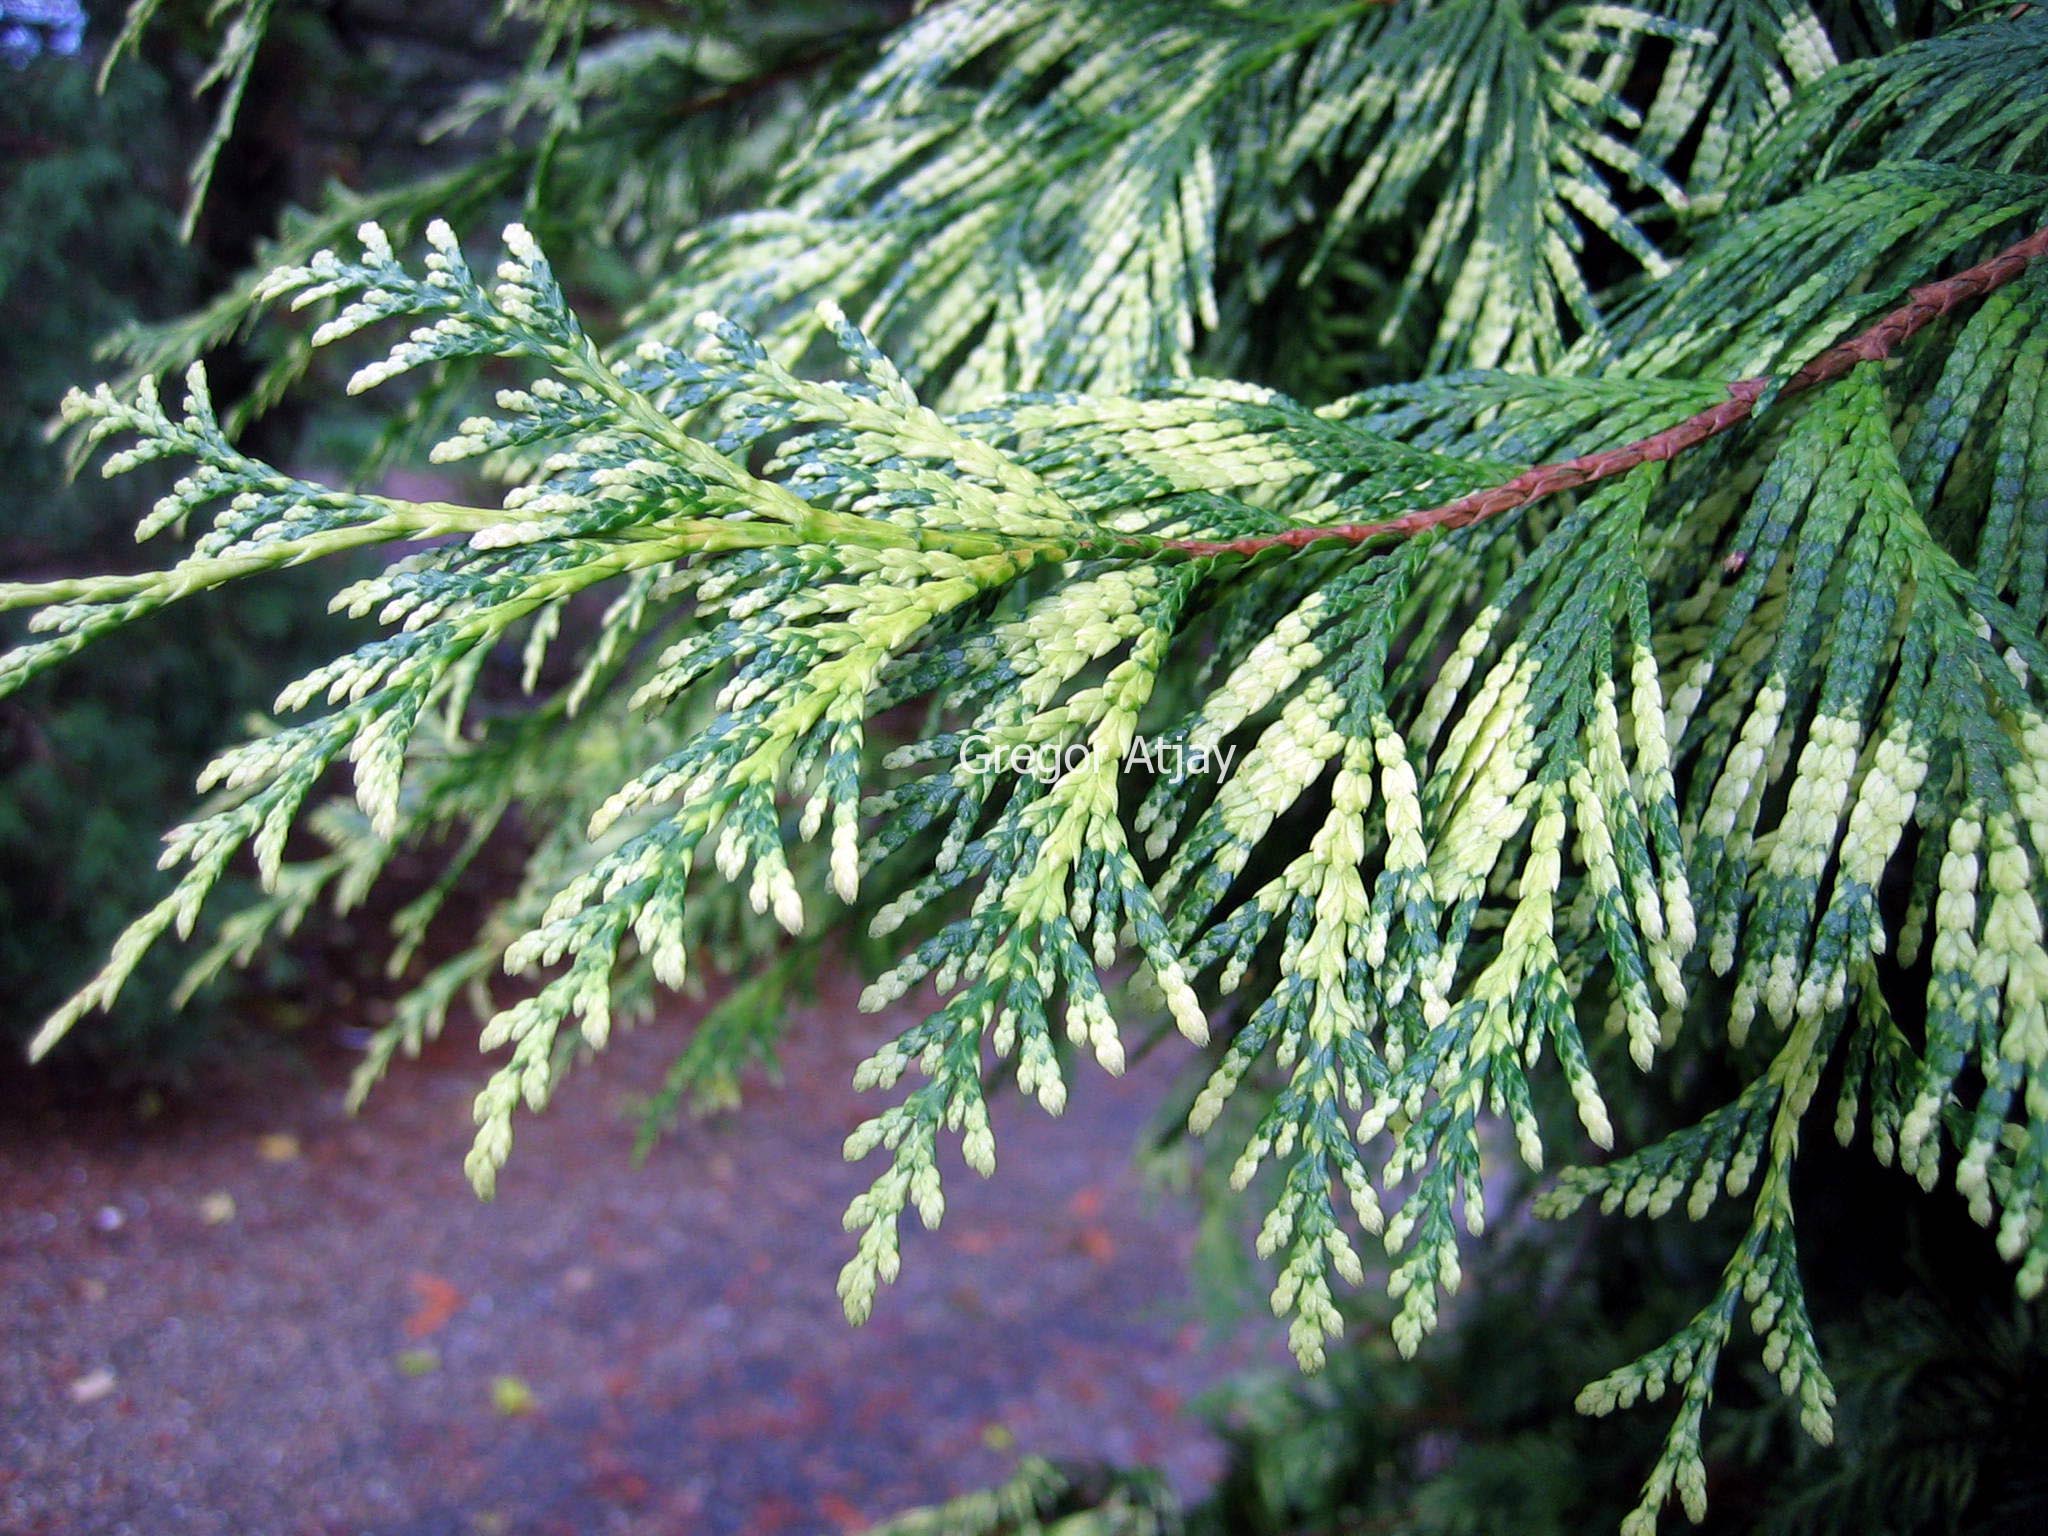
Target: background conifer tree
(1590,463)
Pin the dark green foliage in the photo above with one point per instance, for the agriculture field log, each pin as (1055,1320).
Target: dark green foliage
(1941,1379)
(91,763)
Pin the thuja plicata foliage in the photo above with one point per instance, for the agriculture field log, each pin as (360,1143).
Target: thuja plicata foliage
(1659,670)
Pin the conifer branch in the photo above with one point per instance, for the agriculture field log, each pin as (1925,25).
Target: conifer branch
(1923,306)
(1404,837)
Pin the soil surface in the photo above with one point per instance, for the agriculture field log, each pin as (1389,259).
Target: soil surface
(253,1314)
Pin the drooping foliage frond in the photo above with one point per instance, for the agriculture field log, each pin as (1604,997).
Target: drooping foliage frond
(625,135)
(1005,199)
(1008,200)
(240,25)
(237,29)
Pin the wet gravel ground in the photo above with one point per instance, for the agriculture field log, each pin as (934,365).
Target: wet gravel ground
(256,1315)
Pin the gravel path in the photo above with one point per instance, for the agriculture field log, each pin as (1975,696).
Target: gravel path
(255,1315)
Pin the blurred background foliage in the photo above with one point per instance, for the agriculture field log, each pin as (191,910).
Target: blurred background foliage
(97,762)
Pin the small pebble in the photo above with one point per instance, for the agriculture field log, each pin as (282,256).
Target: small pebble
(92,1386)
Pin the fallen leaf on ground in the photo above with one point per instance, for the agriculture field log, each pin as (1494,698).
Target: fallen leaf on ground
(439,1301)
(418,1362)
(512,1397)
(1096,1243)
(278,1147)
(842,1512)
(217,1209)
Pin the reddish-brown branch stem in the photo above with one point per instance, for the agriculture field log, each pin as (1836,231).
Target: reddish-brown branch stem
(1923,305)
